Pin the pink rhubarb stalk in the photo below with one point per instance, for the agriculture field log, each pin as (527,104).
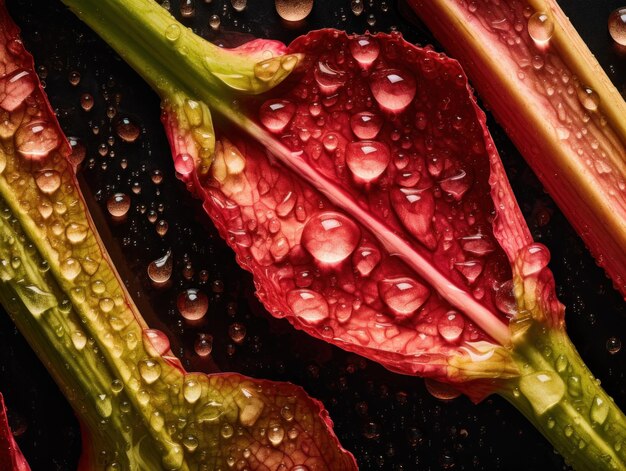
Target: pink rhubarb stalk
(556,103)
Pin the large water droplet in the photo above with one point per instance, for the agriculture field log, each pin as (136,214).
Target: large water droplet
(451,326)
(184,164)
(599,410)
(36,139)
(15,87)
(543,389)
(441,391)
(540,27)
(48,181)
(239,5)
(366,125)
(275,434)
(328,79)
(415,209)
(150,370)
(192,389)
(364,49)
(70,268)
(393,89)
(127,130)
(160,270)
(293,10)
(275,115)
(617,26)
(308,305)
(367,160)
(470,269)
(76,233)
(403,295)
(330,237)
(192,304)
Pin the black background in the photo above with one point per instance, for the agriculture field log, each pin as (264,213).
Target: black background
(388,421)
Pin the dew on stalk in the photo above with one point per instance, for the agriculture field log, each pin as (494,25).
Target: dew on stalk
(192,304)
(544,389)
(15,87)
(617,26)
(534,259)
(79,339)
(160,270)
(36,139)
(540,28)
(393,89)
(118,205)
(366,125)
(48,181)
(330,237)
(149,370)
(293,10)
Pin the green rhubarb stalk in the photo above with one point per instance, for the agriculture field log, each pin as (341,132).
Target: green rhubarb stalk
(554,389)
(138,408)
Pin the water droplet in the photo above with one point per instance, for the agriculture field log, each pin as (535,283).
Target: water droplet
(48,181)
(214,22)
(155,342)
(70,268)
(456,185)
(287,413)
(160,270)
(36,139)
(35,299)
(403,295)
(366,125)
(127,130)
(118,205)
(588,98)
(364,49)
(86,101)
(599,410)
(535,258)
(357,7)
(190,443)
(330,237)
(415,209)
(477,244)
(308,305)
(203,345)
(275,115)
(328,79)
(15,87)
(276,434)
(227,431)
(441,391)
(561,363)
(367,160)
(239,5)
(79,340)
(365,259)
(237,332)
(187,8)
(393,89)
(450,326)
(184,164)
(192,304)
(157,422)
(250,407)
(76,233)
(192,389)
(104,405)
(543,389)
(293,10)
(617,26)
(470,269)
(574,386)
(613,345)
(505,298)
(149,370)
(540,27)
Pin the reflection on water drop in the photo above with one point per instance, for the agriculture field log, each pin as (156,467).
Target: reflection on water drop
(366,125)
(308,305)
(365,50)
(275,115)
(118,205)
(160,270)
(403,295)
(36,139)
(393,89)
(184,164)
(367,160)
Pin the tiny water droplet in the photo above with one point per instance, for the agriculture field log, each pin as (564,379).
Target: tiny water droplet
(184,164)
(328,78)
(76,233)
(187,8)
(276,434)
(214,22)
(450,326)
(192,389)
(599,410)
(155,342)
(543,389)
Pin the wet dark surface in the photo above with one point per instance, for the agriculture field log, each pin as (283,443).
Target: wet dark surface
(388,421)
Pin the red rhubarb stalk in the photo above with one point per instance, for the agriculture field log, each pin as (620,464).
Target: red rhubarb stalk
(547,90)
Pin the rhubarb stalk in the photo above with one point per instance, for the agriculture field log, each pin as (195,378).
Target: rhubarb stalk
(379,218)
(554,100)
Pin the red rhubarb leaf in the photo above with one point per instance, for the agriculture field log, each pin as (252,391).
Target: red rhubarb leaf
(11,458)
(376,214)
